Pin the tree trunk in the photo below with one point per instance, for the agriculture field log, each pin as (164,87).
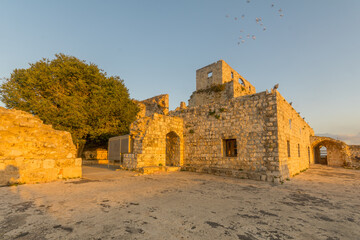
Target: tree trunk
(80,148)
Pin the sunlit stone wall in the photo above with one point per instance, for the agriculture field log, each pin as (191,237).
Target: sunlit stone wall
(31,151)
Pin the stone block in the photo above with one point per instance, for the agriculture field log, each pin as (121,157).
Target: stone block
(72,172)
(48,163)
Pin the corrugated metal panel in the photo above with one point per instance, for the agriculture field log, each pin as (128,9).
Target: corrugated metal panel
(114,149)
(117,146)
(125,145)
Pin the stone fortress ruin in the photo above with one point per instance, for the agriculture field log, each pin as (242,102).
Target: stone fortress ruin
(226,129)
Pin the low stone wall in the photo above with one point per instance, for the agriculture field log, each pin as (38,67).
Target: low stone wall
(31,151)
(23,170)
(129,161)
(96,154)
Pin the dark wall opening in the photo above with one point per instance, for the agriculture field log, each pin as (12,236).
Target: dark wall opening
(320,155)
(172,149)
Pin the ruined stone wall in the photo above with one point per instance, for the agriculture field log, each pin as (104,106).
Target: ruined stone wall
(33,152)
(218,94)
(251,120)
(355,156)
(96,154)
(203,81)
(223,84)
(158,104)
(229,74)
(212,95)
(298,134)
(338,153)
(221,73)
(149,138)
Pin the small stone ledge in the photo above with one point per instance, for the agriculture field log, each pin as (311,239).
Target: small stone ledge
(157,169)
(234,173)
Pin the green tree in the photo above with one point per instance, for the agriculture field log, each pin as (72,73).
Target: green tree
(74,96)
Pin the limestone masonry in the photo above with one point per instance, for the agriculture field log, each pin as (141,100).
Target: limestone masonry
(31,151)
(227,129)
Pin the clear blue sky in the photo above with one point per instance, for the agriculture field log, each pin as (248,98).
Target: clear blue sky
(313,51)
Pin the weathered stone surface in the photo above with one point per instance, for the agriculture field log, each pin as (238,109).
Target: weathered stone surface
(355,156)
(96,154)
(158,104)
(33,152)
(218,82)
(292,128)
(229,129)
(259,123)
(339,154)
(153,141)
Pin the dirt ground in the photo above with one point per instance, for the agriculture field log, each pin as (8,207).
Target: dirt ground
(321,203)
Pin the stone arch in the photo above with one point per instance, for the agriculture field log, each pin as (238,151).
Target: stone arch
(172,149)
(320,154)
(336,151)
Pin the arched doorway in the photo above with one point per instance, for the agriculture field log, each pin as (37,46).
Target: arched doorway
(320,155)
(172,149)
(329,151)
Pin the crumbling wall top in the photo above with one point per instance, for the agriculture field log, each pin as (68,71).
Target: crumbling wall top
(158,104)
(219,73)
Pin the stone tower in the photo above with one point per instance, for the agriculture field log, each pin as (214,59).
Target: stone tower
(219,82)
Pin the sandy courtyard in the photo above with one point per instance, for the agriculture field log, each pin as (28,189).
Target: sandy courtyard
(321,203)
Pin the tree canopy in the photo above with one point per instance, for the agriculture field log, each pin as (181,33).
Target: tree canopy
(72,95)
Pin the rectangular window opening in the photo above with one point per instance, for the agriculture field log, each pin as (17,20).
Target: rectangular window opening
(232,75)
(290,123)
(288,148)
(230,148)
(209,74)
(298,150)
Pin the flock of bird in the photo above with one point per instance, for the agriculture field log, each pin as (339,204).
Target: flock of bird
(258,20)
